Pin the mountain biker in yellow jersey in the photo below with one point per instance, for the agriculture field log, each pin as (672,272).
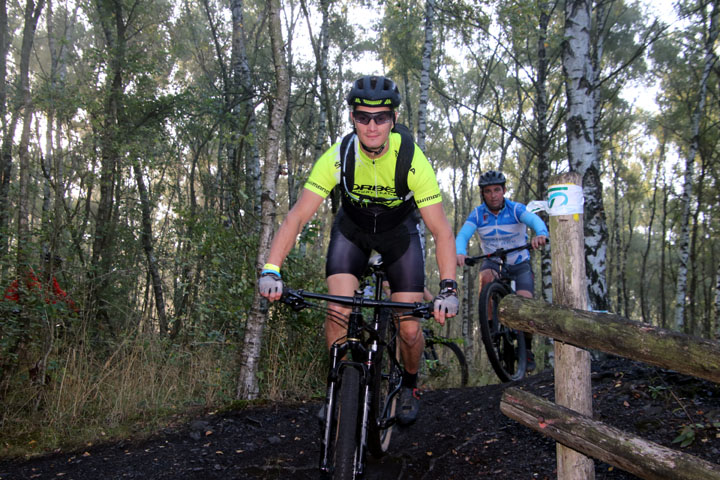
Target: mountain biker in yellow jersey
(375,217)
(502,223)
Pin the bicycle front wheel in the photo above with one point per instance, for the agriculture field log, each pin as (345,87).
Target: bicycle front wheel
(346,414)
(385,386)
(505,347)
(443,365)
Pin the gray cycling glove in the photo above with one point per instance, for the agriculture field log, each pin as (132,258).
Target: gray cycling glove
(447,300)
(270,283)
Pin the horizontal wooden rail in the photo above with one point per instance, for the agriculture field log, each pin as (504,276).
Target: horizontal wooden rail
(614,334)
(633,454)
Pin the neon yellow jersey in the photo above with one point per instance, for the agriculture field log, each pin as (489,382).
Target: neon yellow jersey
(376,177)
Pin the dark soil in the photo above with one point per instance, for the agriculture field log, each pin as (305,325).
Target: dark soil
(461,434)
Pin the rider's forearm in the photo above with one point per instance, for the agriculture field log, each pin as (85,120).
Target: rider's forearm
(463,237)
(297,217)
(445,254)
(284,240)
(535,222)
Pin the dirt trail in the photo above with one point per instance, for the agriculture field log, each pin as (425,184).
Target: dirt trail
(461,435)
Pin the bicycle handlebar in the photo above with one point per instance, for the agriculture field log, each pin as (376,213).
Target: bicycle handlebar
(297,300)
(500,253)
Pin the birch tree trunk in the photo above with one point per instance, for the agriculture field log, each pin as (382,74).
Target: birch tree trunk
(247,385)
(686,197)
(543,141)
(425,90)
(578,72)
(425,73)
(596,230)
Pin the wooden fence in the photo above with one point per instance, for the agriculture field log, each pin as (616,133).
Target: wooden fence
(574,329)
(619,336)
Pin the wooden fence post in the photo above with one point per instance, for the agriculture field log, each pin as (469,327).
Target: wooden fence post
(572,365)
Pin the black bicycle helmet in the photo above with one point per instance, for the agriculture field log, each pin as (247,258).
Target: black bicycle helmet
(374,91)
(491,177)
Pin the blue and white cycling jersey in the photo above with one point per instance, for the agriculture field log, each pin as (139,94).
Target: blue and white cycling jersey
(507,229)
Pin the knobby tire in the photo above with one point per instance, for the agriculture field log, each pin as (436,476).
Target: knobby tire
(386,377)
(505,347)
(347,413)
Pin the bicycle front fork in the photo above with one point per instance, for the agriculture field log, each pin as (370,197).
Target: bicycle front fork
(337,352)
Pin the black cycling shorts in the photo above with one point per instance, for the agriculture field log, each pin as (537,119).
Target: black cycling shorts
(522,274)
(401,249)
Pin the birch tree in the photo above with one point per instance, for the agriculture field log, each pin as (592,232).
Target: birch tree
(247,384)
(577,68)
(425,73)
(686,196)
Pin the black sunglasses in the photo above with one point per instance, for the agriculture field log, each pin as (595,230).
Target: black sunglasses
(381,118)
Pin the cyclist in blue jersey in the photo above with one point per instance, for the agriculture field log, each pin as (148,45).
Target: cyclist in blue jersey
(502,223)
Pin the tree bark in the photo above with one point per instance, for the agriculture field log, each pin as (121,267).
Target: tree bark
(247,385)
(686,197)
(543,140)
(579,77)
(425,73)
(616,335)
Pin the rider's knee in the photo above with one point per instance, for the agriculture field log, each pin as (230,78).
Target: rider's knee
(411,333)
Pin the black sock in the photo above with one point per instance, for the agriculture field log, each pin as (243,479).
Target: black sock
(409,379)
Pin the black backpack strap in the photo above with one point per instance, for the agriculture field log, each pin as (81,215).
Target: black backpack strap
(347,162)
(404,161)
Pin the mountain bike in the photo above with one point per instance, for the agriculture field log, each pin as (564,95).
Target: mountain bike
(364,378)
(443,364)
(505,346)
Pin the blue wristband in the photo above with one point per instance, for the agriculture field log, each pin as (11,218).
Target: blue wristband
(267,270)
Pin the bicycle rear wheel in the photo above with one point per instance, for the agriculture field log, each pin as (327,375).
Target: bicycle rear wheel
(345,449)
(385,385)
(505,347)
(443,365)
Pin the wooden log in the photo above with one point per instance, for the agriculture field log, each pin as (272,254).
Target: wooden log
(633,454)
(573,388)
(615,334)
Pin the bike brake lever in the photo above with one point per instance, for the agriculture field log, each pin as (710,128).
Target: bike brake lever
(470,261)
(293,299)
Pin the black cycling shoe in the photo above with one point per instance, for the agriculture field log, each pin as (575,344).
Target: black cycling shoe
(409,405)
(530,361)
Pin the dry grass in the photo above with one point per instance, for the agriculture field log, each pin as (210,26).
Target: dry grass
(135,387)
